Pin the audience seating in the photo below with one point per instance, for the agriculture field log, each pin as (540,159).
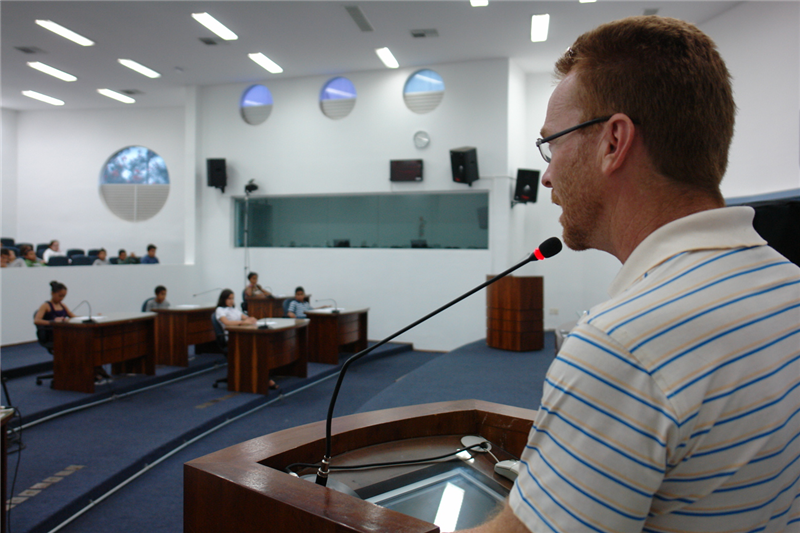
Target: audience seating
(40,248)
(75,251)
(58,260)
(114,260)
(144,304)
(13,248)
(7,241)
(78,260)
(93,252)
(21,244)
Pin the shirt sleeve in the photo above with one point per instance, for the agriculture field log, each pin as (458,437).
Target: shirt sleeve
(598,449)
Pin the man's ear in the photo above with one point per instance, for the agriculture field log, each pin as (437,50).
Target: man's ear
(619,134)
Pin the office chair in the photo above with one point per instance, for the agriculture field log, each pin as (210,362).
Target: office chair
(114,260)
(78,260)
(93,252)
(222,343)
(40,248)
(57,261)
(144,306)
(44,335)
(286,303)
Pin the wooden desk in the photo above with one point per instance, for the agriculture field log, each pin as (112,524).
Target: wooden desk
(177,328)
(329,331)
(244,488)
(266,307)
(127,340)
(253,353)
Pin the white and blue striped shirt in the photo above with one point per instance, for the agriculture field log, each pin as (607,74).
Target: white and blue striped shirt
(675,405)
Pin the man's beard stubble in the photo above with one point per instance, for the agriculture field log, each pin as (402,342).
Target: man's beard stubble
(579,201)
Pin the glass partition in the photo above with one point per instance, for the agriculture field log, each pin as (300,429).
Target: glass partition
(430,220)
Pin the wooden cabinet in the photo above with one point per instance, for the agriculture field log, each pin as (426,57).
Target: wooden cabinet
(515,313)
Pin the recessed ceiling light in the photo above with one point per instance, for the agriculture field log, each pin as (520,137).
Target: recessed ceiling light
(587,1)
(539,26)
(386,56)
(43,98)
(214,25)
(47,69)
(479,3)
(138,67)
(265,62)
(116,96)
(64,32)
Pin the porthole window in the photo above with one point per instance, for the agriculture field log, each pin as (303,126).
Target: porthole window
(134,183)
(256,104)
(423,91)
(337,98)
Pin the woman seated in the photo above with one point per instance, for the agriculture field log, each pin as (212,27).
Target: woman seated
(55,310)
(52,251)
(253,289)
(228,315)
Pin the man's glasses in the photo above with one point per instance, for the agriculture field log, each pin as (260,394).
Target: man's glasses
(544,146)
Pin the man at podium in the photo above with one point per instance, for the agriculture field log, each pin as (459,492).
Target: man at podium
(673,405)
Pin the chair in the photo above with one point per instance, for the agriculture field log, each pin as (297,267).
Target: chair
(244,300)
(13,249)
(93,252)
(144,305)
(287,302)
(44,334)
(222,343)
(75,251)
(114,260)
(58,260)
(7,241)
(21,244)
(78,260)
(40,248)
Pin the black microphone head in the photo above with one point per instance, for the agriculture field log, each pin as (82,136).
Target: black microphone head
(550,247)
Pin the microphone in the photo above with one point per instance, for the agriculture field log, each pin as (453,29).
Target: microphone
(548,248)
(335,309)
(89,320)
(206,292)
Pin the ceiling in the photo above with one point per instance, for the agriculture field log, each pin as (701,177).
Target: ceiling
(305,38)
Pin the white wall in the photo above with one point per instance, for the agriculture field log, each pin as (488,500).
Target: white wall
(60,156)
(8,171)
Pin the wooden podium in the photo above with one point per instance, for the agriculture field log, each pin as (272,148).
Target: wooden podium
(244,488)
(515,314)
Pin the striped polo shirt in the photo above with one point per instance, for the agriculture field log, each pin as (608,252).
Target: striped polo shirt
(675,405)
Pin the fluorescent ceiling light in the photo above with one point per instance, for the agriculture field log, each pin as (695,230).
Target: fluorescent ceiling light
(64,32)
(138,67)
(539,26)
(386,56)
(587,1)
(47,69)
(43,98)
(116,96)
(214,25)
(266,62)
(478,3)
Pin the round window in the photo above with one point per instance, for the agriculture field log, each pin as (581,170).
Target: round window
(423,91)
(256,104)
(337,98)
(134,183)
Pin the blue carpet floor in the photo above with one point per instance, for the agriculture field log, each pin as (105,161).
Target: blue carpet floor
(114,440)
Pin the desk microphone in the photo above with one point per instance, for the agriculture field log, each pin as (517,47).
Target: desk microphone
(206,292)
(335,309)
(89,320)
(548,248)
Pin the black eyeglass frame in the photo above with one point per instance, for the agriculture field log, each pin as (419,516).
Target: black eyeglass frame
(540,141)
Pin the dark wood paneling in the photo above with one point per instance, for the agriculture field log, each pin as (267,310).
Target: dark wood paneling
(265,307)
(515,315)
(177,329)
(330,332)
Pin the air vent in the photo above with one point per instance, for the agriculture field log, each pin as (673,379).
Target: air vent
(651,11)
(359,18)
(130,92)
(419,34)
(30,50)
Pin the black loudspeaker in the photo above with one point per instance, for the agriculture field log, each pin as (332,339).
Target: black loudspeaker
(217,173)
(527,186)
(464,162)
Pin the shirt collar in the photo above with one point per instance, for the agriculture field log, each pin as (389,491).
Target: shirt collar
(727,227)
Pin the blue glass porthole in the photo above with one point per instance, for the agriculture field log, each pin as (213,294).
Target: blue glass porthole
(337,98)
(423,91)
(256,104)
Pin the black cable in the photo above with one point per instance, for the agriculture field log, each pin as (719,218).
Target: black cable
(483,445)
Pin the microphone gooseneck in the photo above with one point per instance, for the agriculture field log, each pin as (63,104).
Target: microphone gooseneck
(89,320)
(206,292)
(548,248)
(335,309)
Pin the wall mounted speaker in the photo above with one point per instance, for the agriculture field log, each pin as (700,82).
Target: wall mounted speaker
(217,173)
(464,162)
(527,186)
